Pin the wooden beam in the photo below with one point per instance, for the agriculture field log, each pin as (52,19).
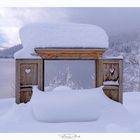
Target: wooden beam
(69,53)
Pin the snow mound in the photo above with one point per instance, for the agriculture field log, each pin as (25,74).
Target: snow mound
(68,105)
(59,88)
(62,88)
(61,35)
(114,118)
(112,128)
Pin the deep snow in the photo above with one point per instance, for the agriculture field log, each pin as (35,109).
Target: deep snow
(115,118)
(60,35)
(67,105)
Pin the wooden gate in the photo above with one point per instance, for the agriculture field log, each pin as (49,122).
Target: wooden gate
(31,71)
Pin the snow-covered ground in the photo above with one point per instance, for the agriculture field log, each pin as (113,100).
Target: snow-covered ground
(19,118)
(116,118)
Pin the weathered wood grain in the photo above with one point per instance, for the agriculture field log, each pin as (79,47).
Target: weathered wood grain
(110,70)
(64,54)
(29,72)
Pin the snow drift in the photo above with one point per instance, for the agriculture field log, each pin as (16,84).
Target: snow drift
(114,117)
(68,105)
(69,35)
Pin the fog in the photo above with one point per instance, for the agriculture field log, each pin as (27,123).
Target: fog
(113,20)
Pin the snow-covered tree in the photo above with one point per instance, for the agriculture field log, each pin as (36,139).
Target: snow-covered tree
(130,50)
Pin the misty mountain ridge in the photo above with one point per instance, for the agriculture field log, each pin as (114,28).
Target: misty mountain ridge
(124,38)
(9,52)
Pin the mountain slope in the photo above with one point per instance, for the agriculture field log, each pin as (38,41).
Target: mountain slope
(9,52)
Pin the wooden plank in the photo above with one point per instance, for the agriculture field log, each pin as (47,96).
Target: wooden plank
(26,86)
(64,54)
(26,89)
(41,75)
(17,83)
(121,81)
(99,72)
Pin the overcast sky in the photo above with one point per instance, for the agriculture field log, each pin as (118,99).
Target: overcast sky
(113,20)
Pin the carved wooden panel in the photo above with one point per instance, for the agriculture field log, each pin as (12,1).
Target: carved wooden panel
(29,72)
(109,74)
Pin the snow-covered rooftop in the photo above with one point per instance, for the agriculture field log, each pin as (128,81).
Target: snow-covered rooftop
(62,35)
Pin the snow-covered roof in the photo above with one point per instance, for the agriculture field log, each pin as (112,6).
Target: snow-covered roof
(114,57)
(62,35)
